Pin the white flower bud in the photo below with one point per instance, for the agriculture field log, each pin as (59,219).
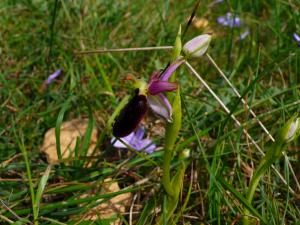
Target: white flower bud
(293,130)
(197,46)
(185,154)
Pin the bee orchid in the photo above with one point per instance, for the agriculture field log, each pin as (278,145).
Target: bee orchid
(151,94)
(147,95)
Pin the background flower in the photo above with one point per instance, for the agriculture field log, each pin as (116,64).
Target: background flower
(135,140)
(229,20)
(296,38)
(52,77)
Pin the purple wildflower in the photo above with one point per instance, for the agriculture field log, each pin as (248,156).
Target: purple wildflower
(296,38)
(135,140)
(229,20)
(157,85)
(52,77)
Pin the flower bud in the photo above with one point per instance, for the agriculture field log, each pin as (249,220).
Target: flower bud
(185,154)
(197,46)
(177,45)
(291,130)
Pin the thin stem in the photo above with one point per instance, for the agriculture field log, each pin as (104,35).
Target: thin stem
(104,50)
(236,121)
(254,115)
(238,94)
(12,212)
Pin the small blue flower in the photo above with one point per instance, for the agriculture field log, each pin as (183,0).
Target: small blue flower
(52,77)
(135,140)
(229,20)
(296,38)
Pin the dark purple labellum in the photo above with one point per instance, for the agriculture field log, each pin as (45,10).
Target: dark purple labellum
(130,116)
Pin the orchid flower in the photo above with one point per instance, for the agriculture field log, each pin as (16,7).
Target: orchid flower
(135,140)
(157,85)
(152,93)
(53,76)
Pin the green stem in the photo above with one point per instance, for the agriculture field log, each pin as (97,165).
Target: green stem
(166,172)
(271,156)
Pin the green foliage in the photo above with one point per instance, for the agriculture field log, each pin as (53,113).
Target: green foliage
(37,37)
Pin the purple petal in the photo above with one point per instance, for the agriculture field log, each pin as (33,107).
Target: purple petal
(170,70)
(127,139)
(221,20)
(135,141)
(296,38)
(155,75)
(148,146)
(139,134)
(229,20)
(51,78)
(158,86)
(161,106)
(143,145)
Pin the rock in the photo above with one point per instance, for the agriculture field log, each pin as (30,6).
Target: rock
(69,132)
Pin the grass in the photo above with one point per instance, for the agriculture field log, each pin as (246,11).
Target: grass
(35,40)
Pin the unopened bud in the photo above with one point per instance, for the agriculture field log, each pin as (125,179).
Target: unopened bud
(293,130)
(197,46)
(185,154)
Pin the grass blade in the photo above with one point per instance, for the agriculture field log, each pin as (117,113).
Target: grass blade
(41,187)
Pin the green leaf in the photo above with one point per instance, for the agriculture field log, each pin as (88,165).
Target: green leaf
(243,200)
(58,125)
(87,135)
(146,212)
(41,187)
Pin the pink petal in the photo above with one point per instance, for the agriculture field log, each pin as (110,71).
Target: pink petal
(167,104)
(155,75)
(158,86)
(161,106)
(170,70)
